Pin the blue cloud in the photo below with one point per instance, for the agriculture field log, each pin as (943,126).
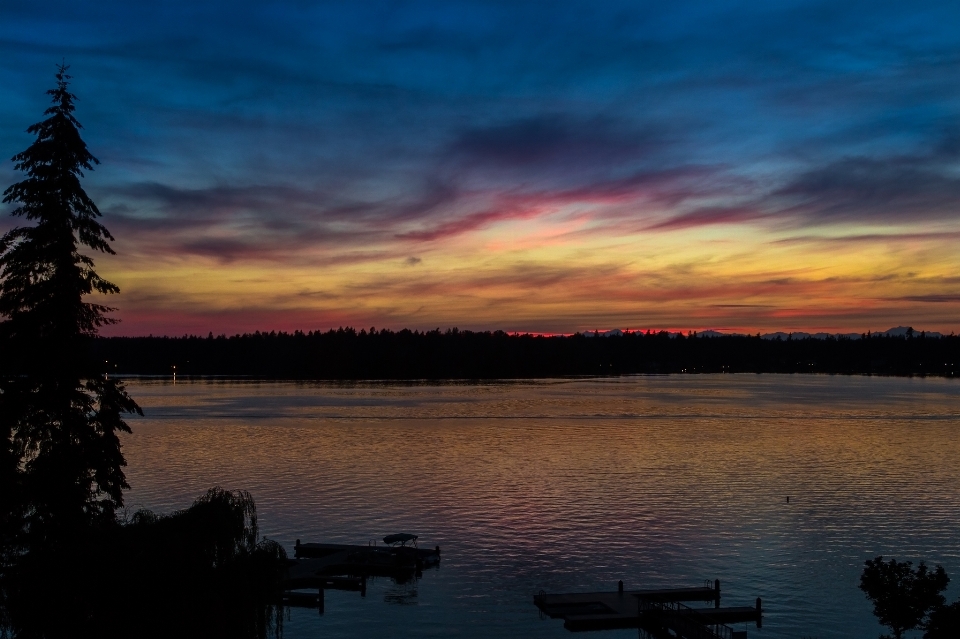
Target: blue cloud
(395,114)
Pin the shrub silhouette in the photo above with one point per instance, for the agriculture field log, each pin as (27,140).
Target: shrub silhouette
(902,596)
(199,572)
(944,622)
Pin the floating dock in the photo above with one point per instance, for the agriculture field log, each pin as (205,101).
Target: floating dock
(322,567)
(608,610)
(306,574)
(399,562)
(295,596)
(697,623)
(655,610)
(426,556)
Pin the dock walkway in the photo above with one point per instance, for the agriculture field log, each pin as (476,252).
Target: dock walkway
(425,556)
(346,567)
(325,560)
(656,610)
(697,623)
(608,610)
(320,573)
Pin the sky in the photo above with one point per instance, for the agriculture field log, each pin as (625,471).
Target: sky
(523,166)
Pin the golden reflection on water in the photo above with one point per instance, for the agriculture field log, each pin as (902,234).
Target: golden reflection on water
(575,484)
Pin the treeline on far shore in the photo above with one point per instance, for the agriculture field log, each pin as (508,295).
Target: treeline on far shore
(371,354)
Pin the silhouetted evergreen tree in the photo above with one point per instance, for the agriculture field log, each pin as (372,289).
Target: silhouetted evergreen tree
(59,414)
(202,572)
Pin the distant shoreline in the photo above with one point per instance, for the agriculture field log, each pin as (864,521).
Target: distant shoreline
(347,354)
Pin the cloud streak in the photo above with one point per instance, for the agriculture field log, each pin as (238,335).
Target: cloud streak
(899,190)
(565,166)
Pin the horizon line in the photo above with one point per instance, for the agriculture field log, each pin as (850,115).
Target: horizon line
(724,332)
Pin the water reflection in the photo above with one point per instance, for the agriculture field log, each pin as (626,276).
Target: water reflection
(574,485)
(403,593)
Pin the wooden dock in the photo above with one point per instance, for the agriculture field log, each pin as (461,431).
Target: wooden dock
(607,610)
(320,567)
(426,556)
(309,573)
(323,560)
(655,610)
(697,623)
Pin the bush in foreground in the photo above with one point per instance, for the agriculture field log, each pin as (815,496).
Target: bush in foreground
(199,572)
(907,598)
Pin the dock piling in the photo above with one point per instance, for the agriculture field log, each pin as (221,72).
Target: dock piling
(716,587)
(620,586)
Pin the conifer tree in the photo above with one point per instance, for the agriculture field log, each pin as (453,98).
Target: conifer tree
(60,415)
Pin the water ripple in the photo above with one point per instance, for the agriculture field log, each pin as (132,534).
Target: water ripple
(574,484)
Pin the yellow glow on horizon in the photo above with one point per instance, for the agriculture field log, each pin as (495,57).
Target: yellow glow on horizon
(560,273)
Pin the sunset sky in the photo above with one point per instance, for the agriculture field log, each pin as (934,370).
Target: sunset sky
(543,166)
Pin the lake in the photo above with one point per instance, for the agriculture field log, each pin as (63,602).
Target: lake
(566,485)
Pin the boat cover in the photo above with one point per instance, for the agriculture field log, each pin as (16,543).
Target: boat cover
(401,538)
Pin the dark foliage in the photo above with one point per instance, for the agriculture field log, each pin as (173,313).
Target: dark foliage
(69,567)
(384,354)
(944,622)
(902,596)
(201,572)
(59,414)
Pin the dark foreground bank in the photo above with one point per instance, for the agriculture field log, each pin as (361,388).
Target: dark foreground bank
(200,572)
(384,354)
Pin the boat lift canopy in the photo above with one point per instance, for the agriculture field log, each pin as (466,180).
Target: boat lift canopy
(400,538)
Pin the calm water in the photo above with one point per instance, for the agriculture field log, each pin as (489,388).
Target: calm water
(572,485)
